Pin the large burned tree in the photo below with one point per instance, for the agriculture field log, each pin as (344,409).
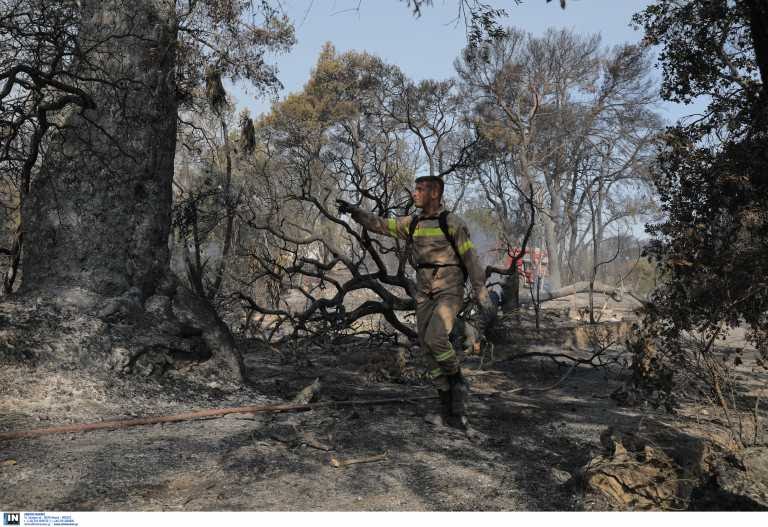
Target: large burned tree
(97,214)
(92,93)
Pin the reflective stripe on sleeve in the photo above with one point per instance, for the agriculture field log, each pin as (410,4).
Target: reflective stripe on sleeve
(467,245)
(434,374)
(392,225)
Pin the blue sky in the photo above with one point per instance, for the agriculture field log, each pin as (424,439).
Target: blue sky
(426,47)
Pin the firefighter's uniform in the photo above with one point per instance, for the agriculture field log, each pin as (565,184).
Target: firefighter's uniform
(439,281)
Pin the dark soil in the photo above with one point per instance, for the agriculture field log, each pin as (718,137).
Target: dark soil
(528,458)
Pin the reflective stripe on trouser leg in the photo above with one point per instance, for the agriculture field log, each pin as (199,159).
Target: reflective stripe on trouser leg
(435,318)
(435,372)
(447,356)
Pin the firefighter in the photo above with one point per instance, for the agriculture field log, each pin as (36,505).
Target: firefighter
(445,257)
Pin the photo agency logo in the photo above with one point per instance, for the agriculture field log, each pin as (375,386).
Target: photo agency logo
(11,518)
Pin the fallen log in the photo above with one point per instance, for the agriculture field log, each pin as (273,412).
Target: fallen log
(615,293)
(578,287)
(201,414)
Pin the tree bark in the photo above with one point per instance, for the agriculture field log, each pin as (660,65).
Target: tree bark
(97,217)
(758,22)
(98,212)
(758,25)
(510,292)
(550,235)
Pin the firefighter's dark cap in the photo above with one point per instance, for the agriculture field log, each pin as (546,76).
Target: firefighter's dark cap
(431,179)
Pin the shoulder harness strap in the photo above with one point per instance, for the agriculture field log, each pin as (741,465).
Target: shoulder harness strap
(412,227)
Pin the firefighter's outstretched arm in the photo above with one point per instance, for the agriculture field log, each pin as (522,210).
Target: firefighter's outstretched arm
(395,227)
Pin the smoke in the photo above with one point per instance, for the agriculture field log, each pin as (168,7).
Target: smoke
(485,241)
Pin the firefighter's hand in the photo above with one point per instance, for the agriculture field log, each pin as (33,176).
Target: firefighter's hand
(480,346)
(345,207)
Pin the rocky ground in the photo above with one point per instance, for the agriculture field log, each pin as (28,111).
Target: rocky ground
(539,450)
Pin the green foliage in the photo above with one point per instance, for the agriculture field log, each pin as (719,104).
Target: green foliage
(229,38)
(713,247)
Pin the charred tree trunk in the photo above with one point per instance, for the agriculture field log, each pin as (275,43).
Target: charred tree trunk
(97,216)
(510,292)
(758,25)
(98,212)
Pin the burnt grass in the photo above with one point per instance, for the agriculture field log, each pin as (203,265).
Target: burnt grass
(528,458)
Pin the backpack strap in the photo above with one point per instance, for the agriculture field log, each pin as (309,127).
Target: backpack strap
(409,240)
(412,227)
(443,220)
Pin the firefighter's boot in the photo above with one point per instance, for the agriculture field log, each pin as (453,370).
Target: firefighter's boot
(443,417)
(458,399)
(458,418)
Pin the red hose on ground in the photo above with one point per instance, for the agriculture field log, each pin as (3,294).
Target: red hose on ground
(189,416)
